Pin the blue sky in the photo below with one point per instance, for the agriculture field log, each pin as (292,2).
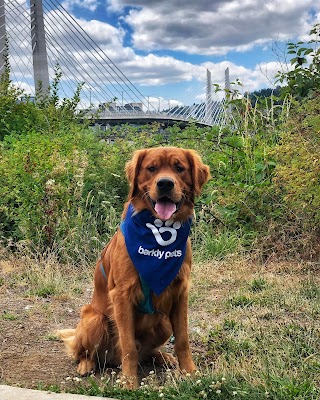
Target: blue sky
(189,36)
(164,47)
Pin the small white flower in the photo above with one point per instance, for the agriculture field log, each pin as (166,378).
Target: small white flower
(113,372)
(223,379)
(198,381)
(218,391)
(161,394)
(234,393)
(50,182)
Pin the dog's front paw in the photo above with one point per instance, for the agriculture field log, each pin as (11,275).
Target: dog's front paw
(188,368)
(129,382)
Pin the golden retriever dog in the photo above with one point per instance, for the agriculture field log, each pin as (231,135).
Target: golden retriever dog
(141,281)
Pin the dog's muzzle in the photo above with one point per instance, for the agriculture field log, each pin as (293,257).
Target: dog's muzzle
(164,205)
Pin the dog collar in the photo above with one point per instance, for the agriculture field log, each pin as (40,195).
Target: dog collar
(157,248)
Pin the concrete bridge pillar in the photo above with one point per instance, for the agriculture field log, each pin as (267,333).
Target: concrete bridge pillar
(3,36)
(227,79)
(39,51)
(208,115)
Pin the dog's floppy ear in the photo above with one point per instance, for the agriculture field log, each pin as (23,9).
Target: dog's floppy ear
(200,172)
(132,170)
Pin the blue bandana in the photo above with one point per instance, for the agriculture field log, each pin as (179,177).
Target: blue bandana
(157,248)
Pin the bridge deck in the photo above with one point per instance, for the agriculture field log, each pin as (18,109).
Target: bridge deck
(141,118)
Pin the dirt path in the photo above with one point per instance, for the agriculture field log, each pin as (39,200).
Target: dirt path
(29,355)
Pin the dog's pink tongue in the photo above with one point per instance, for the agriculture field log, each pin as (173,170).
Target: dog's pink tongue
(165,209)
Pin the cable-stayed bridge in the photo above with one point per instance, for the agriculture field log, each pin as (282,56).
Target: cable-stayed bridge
(41,39)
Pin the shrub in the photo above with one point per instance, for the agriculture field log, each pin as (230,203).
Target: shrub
(54,187)
(297,179)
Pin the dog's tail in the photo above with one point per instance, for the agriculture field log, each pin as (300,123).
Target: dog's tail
(67,336)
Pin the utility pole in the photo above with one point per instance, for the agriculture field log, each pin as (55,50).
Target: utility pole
(3,39)
(39,50)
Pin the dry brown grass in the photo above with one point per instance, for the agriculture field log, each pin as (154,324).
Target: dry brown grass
(250,322)
(44,275)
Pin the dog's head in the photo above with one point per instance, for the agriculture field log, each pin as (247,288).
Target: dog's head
(166,181)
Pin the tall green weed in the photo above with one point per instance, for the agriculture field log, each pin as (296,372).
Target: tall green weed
(53,185)
(297,178)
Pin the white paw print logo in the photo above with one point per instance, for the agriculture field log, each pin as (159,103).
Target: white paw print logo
(169,226)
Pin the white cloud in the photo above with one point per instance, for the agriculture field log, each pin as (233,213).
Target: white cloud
(90,5)
(216,27)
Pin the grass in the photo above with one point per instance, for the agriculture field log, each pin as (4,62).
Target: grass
(254,329)
(207,385)
(257,285)
(259,325)
(209,244)
(7,316)
(43,275)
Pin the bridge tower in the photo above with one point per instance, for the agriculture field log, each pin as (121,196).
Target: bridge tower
(39,50)
(3,38)
(38,42)
(208,111)
(227,85)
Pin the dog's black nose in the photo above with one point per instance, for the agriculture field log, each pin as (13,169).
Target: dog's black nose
(165,184)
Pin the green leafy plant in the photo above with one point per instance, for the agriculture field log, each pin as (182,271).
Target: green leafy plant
(296,178)
(304,79)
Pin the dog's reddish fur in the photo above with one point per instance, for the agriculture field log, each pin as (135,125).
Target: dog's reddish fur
(111,329)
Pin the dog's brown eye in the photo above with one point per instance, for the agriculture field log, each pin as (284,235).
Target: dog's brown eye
(151,168)
(179,168)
